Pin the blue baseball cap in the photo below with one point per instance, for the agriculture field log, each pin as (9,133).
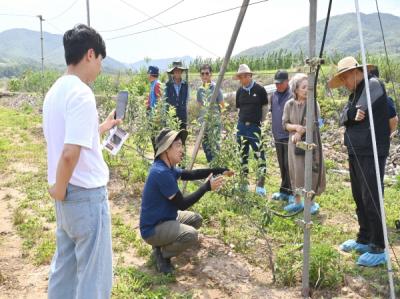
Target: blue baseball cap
(153,70)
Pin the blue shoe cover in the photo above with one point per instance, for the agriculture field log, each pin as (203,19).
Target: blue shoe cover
(279,196)
(351,245)
(244,188)
(261,191)
(291,199)
(294,207)
(314,208)
(372,259)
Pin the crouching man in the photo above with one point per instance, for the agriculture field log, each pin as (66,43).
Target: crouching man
(164,222)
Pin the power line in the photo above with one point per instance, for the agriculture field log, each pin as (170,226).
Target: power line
(180,22)
(64,11)
(145,20)
(17,15)
(54,27)
(386,52)
(171,29)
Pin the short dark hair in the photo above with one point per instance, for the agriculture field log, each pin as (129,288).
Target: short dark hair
(78,40)
(374,72)
(206,67)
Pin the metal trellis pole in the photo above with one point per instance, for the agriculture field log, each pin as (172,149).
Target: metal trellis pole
(222,71)
(375,151)
(308,192)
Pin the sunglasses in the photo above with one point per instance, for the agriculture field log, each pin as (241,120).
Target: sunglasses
(204,73)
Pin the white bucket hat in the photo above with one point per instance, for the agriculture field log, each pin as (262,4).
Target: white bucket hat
(346,64)
(243,69)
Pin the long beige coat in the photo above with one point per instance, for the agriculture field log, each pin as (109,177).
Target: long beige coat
(292,114)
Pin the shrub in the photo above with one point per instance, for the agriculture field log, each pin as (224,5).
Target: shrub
(325,266)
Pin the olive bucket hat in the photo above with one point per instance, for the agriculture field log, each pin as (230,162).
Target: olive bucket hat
(166,137)
(177,65)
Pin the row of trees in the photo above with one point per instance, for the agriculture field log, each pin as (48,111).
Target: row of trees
(271,61)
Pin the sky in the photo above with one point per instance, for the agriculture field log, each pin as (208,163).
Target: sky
(208,37)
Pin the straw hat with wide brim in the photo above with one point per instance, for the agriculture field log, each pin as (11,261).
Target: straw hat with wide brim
(166,137)
(346,64)
(177,65)
(243,69)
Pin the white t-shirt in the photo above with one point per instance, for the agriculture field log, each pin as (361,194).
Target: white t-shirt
(70,117)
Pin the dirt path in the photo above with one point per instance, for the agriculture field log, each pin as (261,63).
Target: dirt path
(211,270)
(18,278)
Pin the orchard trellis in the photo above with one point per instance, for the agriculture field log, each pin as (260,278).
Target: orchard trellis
(142,129)
(313,67)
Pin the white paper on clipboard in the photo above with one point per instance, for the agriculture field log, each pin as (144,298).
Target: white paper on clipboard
(115,140)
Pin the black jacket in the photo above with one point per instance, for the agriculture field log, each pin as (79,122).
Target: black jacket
(357,136)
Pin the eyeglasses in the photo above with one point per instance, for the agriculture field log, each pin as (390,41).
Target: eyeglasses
(204,73)
(177,144)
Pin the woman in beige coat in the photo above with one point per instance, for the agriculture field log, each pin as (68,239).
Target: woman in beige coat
(294,120)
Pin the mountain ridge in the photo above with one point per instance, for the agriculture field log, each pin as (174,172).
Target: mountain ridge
(342,36)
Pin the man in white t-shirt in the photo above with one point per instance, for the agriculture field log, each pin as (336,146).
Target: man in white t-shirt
(82,264)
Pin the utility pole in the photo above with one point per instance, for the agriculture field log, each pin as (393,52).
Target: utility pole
(312,62)
(41,49)
(222,71)
(88,12)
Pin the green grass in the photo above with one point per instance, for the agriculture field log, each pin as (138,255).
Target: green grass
(240,220)
(134,283)
(44,250)
(235,222)
(125,236)
(33,212)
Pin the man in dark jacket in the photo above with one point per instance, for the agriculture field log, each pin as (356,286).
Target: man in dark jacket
(252,102)
(357,138)
(281,136)
(177,92)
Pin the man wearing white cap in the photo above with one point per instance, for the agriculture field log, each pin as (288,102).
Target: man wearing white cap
(252,102)
(357,138)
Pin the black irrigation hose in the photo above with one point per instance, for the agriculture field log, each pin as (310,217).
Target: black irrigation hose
(386,52)
(315,96)
(285,215)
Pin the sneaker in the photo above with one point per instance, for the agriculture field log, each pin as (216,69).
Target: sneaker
(291,199)
(369,259)
(261,191)
(163,265)
(294,207)
(351,245)
(314,208)
(279,196)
